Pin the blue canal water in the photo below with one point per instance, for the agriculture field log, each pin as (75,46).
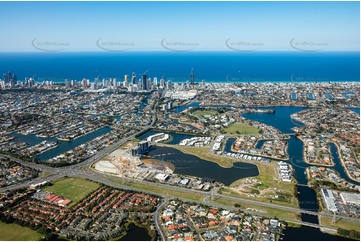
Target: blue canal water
(64,146)
(309,234)
(329,96)
(356,110)
(228,145)
(191,165)
(310,96)
(179,109)
(30,139)
(282,121)
(260,144)
(294,96)
(338,164)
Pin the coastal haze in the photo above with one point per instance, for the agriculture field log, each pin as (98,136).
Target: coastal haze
(154,125)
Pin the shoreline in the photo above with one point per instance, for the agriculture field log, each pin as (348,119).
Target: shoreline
(311,163)
(265,106)
(260,106)
(171,131)
(68,140)
(50,148)
(190,124)
(265,156)
(126,230)
(190,153)
(233,160)
(343,164)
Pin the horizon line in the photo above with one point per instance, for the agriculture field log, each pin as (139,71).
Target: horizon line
(175,51)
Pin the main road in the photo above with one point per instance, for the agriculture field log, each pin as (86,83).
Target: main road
(82,170)
(105,179)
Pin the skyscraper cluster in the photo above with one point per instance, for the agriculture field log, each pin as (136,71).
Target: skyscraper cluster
(144,83)
(10,79)
(130,82)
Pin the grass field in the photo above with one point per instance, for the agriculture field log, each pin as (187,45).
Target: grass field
(223,201)
(16,232)
(203,153)
(267,176)
(162,190)
(201,113)
(343,224)
(72,188)
(241,128)
(266,211)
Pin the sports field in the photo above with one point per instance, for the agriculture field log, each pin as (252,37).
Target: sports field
(16,232)
(72,188)
(241,128)
(201,113)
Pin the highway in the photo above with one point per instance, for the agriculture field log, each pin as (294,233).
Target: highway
(83,170)
(104,178)
(96,175)
(30,164)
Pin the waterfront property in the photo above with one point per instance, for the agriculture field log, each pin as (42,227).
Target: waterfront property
(63,127)
(310,94)
(196,165)
(174,165)
(338,126)
(191,165)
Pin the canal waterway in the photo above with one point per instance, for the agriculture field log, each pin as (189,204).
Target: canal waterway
(186,164)
(179,109)
(260,144)
(63,146)
(282,121)
(309,234)
(307,197)
(356,110)
(338,164)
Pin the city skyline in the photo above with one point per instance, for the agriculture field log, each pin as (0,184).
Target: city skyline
(180,121)
(180,26)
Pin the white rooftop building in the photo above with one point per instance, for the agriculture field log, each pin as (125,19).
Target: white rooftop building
(348,197)
(329,200)
(161,177)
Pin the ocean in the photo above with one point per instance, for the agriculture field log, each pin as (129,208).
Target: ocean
(228,66)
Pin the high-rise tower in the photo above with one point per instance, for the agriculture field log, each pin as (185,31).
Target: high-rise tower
(134,78)
(192,77)
(144,82)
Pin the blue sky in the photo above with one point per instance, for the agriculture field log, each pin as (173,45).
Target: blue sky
(95,26)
